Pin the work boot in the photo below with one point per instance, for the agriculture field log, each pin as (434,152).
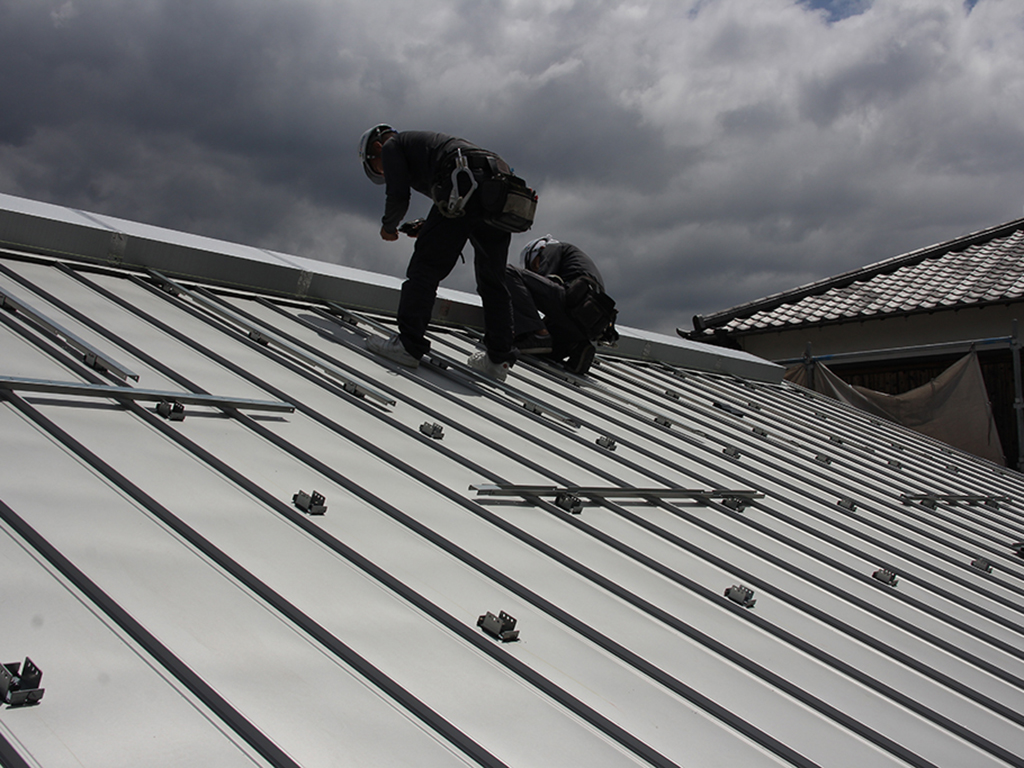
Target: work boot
(580,359)
(392,349)
(481,361)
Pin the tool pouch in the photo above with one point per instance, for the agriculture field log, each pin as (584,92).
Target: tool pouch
(508,203)
(591,309)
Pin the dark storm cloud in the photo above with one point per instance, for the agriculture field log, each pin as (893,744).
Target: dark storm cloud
(705,153)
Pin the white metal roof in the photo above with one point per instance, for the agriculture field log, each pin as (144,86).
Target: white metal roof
(184,611)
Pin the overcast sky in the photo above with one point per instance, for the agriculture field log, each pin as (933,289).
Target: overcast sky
(705,152)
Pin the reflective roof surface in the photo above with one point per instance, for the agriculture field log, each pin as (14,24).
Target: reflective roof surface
(652,565)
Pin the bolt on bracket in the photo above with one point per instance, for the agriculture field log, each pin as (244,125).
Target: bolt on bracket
(982,564)
(19,684)
(886,577)
(502,626)
(435,430)
(172,411)
(311,504)
(570,502)
(742,595)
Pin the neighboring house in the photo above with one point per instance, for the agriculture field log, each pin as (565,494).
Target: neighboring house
(706,565)
(897,324)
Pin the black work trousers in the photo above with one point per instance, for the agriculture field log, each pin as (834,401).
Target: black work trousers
(533,295)
(437,249)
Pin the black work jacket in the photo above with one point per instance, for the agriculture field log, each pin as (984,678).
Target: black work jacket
(414,160)
(568,262)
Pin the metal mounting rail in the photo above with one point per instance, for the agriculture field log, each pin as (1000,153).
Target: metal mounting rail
(613,492)
(601,391)
(441,362)
(931,499)
(94,358)
(265,336)
(15,383)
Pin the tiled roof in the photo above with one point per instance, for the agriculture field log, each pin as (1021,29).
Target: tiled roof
(982,268)
(703,569)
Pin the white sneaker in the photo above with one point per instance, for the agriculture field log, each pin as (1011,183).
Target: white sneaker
(481,361)
(392,349)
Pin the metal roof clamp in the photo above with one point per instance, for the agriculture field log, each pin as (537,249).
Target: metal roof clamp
(1018,547)
(172,411)
(19,684)
(730,409)
(735,503)
(742,595)
(435,430)
(606,442)
(259,337)
(311,504)
(457,203)
(502,626)
(886,577)
(982,564)
(570,502)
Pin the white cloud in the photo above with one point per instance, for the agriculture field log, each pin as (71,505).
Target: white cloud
(64,15)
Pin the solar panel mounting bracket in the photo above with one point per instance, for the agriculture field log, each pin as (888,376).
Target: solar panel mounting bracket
(19,683)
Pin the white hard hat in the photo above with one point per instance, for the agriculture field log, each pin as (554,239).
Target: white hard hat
(365,141)
(533,248)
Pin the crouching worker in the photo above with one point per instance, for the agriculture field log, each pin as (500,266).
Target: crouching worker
(559,304)
(463,180)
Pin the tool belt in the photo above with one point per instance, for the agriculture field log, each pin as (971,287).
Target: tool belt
(505,201)
(591,309)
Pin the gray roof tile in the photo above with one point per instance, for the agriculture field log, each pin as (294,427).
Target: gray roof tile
(984,267)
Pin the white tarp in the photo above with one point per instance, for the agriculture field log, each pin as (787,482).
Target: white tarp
(953,407)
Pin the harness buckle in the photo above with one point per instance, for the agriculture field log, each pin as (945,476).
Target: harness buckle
(457,203)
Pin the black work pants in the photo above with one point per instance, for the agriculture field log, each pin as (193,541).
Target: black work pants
(534,294)
(437,249)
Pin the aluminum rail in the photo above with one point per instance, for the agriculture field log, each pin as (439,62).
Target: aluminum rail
(93,357)
(441,362)
(611,492)
(15,383)
(265,336)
